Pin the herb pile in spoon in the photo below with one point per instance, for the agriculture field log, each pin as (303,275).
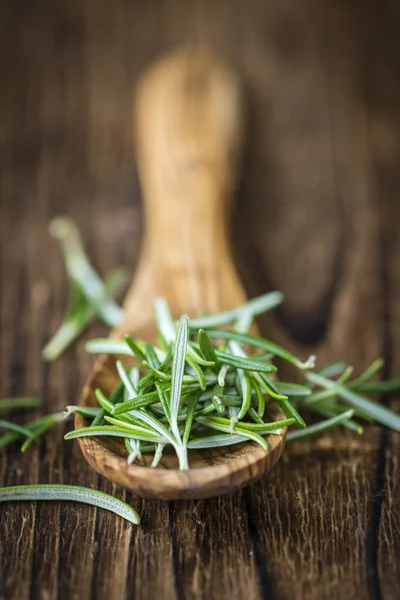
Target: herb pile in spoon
(199,388)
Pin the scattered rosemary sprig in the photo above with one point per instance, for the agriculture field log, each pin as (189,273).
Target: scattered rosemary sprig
(89,296)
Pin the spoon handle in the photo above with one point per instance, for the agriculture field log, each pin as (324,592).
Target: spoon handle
(188,133)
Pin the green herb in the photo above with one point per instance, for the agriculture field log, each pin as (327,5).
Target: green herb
(13,403)
(89,296)
(192,385)
(73,493)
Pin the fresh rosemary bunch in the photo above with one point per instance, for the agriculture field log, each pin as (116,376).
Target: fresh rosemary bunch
(199,388)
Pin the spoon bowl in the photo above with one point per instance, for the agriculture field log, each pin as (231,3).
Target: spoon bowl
(188,137)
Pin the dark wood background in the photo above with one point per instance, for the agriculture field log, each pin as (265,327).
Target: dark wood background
(317,216)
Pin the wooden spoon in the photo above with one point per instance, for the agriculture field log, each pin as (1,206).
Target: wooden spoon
(188,123)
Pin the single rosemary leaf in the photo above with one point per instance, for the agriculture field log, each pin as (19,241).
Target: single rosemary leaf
(189,417)
(259,342)
(245,386)
(244,363)
(222,374)
(74,493)
(140,401)
(13,403)
(320,427)
(260,397)
(115,398)
(122,372)
(16,428)
(157,455)
(368,373)
(178,366)
(199,373)
(134,348)
(151,356)
(157,373)
(146,381)
(269,386)
(216,441)
(333,369)
(139,433)
(107,346)
(254,307)
(206,347)
(248,426)
(376,387)
(292,389)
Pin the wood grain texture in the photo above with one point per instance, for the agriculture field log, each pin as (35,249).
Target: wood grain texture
(317,216)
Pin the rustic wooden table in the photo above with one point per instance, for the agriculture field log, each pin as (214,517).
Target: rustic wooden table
(317,217)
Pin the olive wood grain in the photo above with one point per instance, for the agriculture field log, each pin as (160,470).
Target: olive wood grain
(188,121)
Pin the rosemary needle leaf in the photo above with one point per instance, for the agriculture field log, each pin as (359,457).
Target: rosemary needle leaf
(156,372)
(215,441)
(72,493)
(246,364)
(115,398)
(206,346)
(259,342)
(254,307)
(292,389)
(134,348)
(377,387)
(16,428)
(140,433)
(178,366)
(107,346)
(260,397)
(189,417)
(245,385)
(332,370)
(369,372)
(320,427)
(136,403)
(122,372)
(222,374)
(199,373)
(12,403)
